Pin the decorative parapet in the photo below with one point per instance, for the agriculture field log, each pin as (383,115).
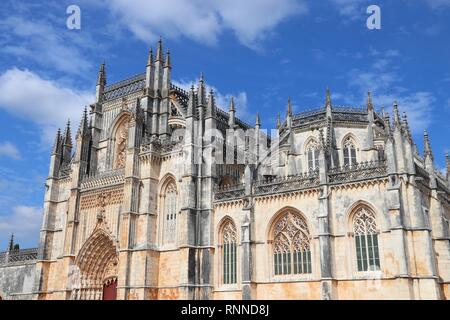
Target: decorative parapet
(286,184)
(357,172)
(103,179)
(124,87)
(15,257)
(229,192)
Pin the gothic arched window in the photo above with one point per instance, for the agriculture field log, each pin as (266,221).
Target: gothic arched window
(291,245)
(170,213)
(366,240)
(349,152)
(229,245)
(313,155)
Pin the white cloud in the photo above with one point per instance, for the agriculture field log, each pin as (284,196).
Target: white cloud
(436,4)
(385,83)
(44,102)
(24,222)
(8,149)
(204,21)
(350,8)
(43,43)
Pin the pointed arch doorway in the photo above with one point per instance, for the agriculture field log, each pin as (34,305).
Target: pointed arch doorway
(98,267)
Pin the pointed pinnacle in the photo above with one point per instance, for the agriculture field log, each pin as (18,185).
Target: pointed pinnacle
(101,79)
(67,134)
(167,64)
(258,119)
(289,107)
(427,145)
(328,98)
(150,58)
(278,121)
(232,109)
(369,101)
(159,54)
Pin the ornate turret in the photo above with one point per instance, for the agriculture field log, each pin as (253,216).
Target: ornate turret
(57,145)
(191,103)
(289,113)
(83,128)
(232,112)
(328,104)
(447,164)
(67,144)
(397,123)
(278,121)
(159,63)
(211,107)
(406,129)
(101,83)
(166,72)
(428,152)
(369,101)
(201,94)
(11,243)
(149,71)
(258,121)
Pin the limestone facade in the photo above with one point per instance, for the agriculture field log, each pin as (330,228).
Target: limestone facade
(341,206)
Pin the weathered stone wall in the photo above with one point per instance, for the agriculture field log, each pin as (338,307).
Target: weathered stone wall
(16,281)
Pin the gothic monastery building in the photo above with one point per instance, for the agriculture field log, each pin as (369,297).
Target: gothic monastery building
(152,198)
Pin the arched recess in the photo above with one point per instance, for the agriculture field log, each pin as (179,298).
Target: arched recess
(289,239)
(118,140)
(311,151)
(97,264)
(228,253)
(364,229)
(168,210)
(350,150)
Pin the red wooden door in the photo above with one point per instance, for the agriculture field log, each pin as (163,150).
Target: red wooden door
(110,290)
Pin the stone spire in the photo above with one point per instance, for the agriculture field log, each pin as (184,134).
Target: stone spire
(428,152)
(396,115)
(159,51)
(258,121)
(328,98)
(278,121)
(369,101)
(101,78)
(211,107)
(84,125)
(447,163)
(406,128)
(101,83)
(289,108)
(11,242)
(167,63)
(328,104)
(57,143)
(150,58)
(201,96)
(387,123)
(67,135)
(191,103)
(232,118)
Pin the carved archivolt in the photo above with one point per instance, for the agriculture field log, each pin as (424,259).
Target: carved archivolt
(97,264)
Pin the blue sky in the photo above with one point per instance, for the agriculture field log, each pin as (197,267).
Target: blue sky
(260,51)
